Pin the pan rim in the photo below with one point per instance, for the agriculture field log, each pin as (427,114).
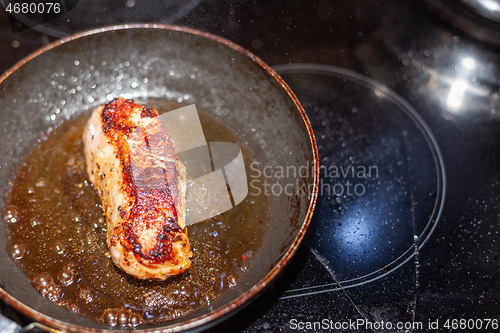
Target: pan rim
(278,267)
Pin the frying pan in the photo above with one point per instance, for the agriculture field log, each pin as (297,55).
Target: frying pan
(161,61)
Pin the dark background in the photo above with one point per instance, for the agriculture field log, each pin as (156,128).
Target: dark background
(409,49)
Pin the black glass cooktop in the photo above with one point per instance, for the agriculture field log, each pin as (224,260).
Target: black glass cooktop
(382,187)
(406,113)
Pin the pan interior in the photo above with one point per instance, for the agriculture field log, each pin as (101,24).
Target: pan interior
(178,67)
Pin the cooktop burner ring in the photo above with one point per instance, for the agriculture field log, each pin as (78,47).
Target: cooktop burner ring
(421,237)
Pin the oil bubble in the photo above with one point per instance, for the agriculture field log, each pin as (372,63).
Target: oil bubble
(10,214)
(53,295)
(232,281)
(86,295)
(122,317)
(134,320)
(74,308)
(109,317)
(70,266)
(65,276)
(16,250)
(43,280)
(46,286)
(59,248)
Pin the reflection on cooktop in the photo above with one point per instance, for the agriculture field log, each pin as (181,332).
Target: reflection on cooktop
(382,184)
(480,18)
(458,75)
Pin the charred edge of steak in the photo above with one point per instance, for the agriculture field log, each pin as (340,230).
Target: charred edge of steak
(147,112)
(163,251)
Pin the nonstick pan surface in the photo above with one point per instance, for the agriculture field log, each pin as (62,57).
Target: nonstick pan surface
(158,61)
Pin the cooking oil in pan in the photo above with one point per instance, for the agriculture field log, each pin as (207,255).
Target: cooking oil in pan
(57,235)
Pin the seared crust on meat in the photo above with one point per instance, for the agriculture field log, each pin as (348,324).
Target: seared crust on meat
(142,185)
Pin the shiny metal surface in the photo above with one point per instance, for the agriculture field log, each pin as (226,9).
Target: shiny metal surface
(479,18)
(490,9)
(38,84)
